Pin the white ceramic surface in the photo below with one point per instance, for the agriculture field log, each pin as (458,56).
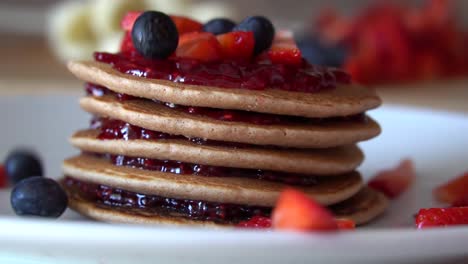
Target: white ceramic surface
(436,141)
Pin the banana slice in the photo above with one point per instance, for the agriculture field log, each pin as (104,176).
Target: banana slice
(172,7)
(107,14)
(111,43)
(69,31)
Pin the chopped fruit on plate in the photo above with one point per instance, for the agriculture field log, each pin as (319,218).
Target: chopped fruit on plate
(440,217)
(394,182)
(454,191)
(297,212)
(284,49)
(129,19)
(3,177)
(186,25)
(345,224)
(259,222)
(237,45)
(263,30)
(201,46)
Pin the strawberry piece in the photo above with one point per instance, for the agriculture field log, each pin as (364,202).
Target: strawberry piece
(186,25)
(454,191)
(237,45)
(442,217)
(199,46)
(394,182)
(284,49)
(256,222)
(3,177)
(345,224)
(129,19)
(127,46)
(296,211)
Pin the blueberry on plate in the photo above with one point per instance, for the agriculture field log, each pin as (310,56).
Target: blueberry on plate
(155,35)
(22,164)
(263,30)
(39,196)
(219,26)
(319,53)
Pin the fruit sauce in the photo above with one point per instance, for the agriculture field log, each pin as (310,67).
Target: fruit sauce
(158,205)
(257,75)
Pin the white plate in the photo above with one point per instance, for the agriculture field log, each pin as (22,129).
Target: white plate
(436,141)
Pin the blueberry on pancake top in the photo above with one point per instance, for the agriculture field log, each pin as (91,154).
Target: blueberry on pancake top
(219,26)
(263,30)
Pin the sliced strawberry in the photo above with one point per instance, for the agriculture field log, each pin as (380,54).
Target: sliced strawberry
(200,46)
(186,25)
(127,44)
(442,217)
(237,45)
(394,182)
(256,222)
(129,19)
(3,177)
(284,50)
(454,191)
(296,211)
(345,224)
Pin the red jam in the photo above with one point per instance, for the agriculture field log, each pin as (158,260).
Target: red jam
(192,209)
(231,115)
(259,75)
(184,168)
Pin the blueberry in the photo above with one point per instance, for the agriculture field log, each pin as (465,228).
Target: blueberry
(219,26)
(22,164)
(319,53)
(263,30)
(39,196)
(155,35)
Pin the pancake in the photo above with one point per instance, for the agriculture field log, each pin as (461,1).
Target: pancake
(308,161)
(342,101)
(156,117)
(362,208)
(329,190)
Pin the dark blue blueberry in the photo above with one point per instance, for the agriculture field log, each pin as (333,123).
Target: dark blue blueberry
(22,164)
(318,53)
(263,30)
(39,196)
(155,35)
(219,26)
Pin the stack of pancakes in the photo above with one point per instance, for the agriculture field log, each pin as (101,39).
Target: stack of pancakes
(170,164)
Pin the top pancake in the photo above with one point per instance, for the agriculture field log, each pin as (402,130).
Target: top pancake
(342,101)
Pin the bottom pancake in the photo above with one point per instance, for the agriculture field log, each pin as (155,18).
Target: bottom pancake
(361,208)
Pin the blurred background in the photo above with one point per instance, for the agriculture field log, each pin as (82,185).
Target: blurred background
(412,51)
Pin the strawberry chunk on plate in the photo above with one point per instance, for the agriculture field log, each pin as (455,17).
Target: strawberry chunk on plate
(284,49)
(237,45)
(442,217)
(3,177)
(201,46)
(453,192)
(394,182)
(297,212)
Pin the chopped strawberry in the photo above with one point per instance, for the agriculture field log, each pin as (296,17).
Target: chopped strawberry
(295,211)
(237,45)
(129,19)
(186,25)
(256,222)
(442,217)
(3,177)
(127,44)
(345,224)
(454,191)
(394,182)
(200,46)
(284,49)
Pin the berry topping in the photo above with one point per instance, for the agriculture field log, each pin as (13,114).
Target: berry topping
(454,192)
(296,211)
(129,19)
(284,49)
(199,46)
(186,25)
(39,196)
(263,30)
(126,46)
(22,164)
(155,35)
(237,45)
(219,26)
(441,217)
(3,177)
(345,224)
(258,222)
(394,182)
